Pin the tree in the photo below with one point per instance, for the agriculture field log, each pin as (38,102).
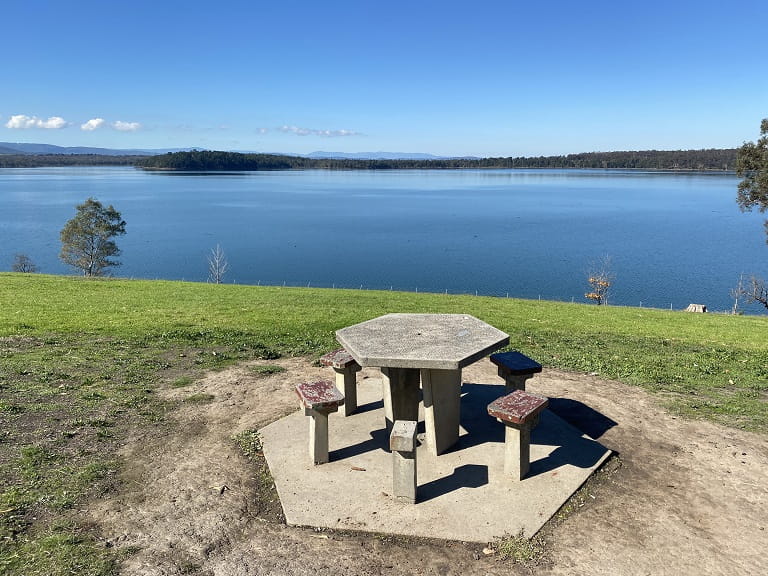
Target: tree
(217,265)
(755,291)
(600,279)
(736,294)
(752,167)
(87,239)
(23,263)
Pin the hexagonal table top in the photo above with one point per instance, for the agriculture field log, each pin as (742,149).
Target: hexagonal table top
(434,341)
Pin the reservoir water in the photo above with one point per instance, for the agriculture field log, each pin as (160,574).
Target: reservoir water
(672,238)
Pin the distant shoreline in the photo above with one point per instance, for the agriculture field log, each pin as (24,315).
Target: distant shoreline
(708,160)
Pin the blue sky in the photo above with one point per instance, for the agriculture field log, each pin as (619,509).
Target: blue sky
(484,78)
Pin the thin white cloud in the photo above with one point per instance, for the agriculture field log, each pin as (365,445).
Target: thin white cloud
(22,122)
(126,126)
(314,132)
(92,124)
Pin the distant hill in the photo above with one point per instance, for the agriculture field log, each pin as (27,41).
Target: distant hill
(377,155)
(48,149)
(31,148)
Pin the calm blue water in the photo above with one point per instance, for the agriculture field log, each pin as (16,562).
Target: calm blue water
(673,238)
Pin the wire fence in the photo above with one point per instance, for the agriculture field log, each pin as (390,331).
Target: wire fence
(581,299)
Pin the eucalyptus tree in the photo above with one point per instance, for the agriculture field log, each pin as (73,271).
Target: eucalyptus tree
(87,240)
(752,168)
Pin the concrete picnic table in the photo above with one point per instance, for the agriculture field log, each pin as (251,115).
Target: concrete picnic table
(432,348)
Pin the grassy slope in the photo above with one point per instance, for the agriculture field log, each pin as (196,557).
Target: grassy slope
(716,365)
(81,362)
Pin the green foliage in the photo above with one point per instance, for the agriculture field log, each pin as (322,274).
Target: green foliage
(41,160)
(87,239)
(752,167)
(198,160)
(206,160)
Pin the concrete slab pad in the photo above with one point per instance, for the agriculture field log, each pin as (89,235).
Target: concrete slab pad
(462,494)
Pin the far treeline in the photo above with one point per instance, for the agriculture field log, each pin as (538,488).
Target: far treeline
(714,159)
(203,160)
(43,160)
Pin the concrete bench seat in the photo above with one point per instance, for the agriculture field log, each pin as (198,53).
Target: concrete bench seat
(319,399)
(346,368)
(515,367)
(519,412)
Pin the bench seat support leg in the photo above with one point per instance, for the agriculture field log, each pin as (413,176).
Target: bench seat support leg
(513,382)
(517,450)
(318,435)
(346,381)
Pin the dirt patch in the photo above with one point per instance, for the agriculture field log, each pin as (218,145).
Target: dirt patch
(10,345)
(683,496)
(690,497)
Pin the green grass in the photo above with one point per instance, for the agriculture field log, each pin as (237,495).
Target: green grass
(267,369)
(81,360)
(201,398)
(249,443)
(520,549)
(265,499)
(59,550)
(182,382)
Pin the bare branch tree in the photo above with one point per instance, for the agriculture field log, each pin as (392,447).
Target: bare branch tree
(217,265)
(756,290)
(737,293)
(23,263)
(600,280)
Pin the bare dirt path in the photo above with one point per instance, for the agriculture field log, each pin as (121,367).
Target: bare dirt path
(683,497)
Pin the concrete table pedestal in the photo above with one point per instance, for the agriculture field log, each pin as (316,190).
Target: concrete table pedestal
(442,408)
(432,348)
(400,390)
